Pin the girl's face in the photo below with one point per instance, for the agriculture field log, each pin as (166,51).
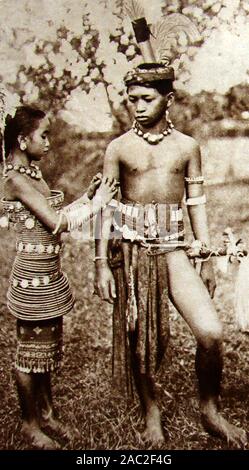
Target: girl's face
(37,142)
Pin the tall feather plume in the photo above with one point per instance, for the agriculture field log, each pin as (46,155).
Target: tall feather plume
(136,13)
(133,9)
(166,33)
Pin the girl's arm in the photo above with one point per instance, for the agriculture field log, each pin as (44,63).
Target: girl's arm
(19,188)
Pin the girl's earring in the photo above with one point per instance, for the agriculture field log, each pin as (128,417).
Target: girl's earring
(23,146)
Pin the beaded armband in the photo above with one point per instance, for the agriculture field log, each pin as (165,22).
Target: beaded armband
(195,180)
(58,223)
(79,213)
(195,201)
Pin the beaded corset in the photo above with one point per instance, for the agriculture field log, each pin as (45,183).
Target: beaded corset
(28,226)
(38,288)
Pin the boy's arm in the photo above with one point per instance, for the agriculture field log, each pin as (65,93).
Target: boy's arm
(197,213)
(104,285)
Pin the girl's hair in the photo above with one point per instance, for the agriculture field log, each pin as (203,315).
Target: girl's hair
(25,121)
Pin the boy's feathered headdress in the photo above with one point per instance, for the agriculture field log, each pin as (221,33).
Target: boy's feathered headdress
(158,43)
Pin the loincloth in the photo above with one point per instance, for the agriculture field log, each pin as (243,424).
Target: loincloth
(141,311)
(39,345)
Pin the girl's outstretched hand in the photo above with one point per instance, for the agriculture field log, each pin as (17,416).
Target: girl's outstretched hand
(94,185)
(107,190)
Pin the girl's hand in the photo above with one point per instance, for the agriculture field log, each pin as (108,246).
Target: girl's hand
(106,190)
(94,185)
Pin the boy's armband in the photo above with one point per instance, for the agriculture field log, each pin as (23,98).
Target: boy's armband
(194,180)
(195,201)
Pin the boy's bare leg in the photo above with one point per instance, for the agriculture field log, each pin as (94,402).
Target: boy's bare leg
(47,414)
(31,426)
(146,392)
(192,300)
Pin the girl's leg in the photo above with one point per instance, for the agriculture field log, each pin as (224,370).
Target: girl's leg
(26,388)
(47,415)
(44,394)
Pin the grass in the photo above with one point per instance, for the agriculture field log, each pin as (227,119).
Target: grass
(83,392)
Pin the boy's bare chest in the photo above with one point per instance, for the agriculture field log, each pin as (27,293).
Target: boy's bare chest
(154,159)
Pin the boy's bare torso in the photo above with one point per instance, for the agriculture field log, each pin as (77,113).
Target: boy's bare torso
(152,173)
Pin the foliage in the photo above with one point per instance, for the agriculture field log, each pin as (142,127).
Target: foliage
(59,54)
(73,159)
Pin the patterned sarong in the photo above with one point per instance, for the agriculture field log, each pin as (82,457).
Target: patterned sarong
(141,313)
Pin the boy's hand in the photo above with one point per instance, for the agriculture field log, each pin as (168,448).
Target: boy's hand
(94,185)
(104,284)
(207,274)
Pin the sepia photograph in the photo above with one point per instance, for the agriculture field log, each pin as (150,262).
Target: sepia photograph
(124,225)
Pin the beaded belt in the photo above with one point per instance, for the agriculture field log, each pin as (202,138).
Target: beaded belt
(133,235)
(133,209)
(137,222)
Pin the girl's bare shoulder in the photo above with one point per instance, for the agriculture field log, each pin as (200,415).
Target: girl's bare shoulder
(15,184)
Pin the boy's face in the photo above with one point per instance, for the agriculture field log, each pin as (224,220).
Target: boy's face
(148,104)
(38,142)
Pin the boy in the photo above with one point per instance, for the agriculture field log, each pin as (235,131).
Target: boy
(153,161)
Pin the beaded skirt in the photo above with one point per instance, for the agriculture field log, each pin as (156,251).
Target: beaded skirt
(38,288)
(39,345)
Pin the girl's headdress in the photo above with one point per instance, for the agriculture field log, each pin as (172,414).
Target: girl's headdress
(157,43)
(8,105)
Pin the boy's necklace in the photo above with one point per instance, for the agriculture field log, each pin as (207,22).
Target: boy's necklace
(153,138)
(32,170)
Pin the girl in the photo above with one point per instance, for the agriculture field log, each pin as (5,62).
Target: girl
(39,293)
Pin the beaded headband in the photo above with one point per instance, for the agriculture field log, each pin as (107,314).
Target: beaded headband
(157,43)
(147,73)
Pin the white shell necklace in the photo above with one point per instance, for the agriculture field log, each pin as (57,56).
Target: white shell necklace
(153,139)
(32,170)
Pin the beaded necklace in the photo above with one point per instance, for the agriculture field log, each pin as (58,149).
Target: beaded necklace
(153,138)
(32,170)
